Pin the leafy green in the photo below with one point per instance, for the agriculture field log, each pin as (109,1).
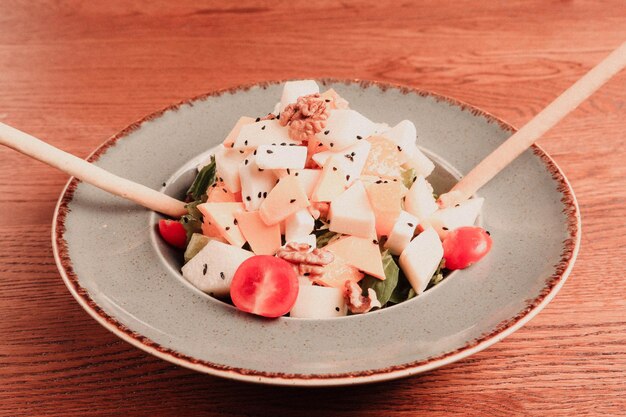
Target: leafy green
(402,291)
(408,177)
(324,238)
(438,276)
(384,289)
(203,180)
(192,221)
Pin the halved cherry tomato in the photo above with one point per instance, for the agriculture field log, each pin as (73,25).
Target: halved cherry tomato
(264,285)
(465,246)
(173,232)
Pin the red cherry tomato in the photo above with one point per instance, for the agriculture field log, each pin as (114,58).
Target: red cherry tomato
(264,285)
(173,232)
(465,246)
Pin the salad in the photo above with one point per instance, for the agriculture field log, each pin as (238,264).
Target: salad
(315,211)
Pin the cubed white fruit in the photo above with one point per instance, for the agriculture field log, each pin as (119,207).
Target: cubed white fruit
(344,128)
(421,258)
(294,89)
(351,160)
(404,135)
(227,163)
(315,302)
(263,132)
(213,268)
(298,225)
(308,178)
(351,213)
(401,233)
(448,219)
(419,201)
(256,183)
(281,157)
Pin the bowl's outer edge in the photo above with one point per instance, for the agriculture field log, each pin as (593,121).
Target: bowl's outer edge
(552,284)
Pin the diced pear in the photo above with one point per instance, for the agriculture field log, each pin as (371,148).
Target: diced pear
(363,254)
(351,213)
(316,302)
(295,89)
(230,139)
(344,128)
(256,183)
(448,219)
(419,201)
(281,157)
(401,233)
(421,258)
(213,268)
(351,160)
(332,182)
(227,163)
(299,225)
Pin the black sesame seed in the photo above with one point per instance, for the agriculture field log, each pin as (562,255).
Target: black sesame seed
(261,169)
(224,189)
(163,184)
(269,151)
(306,274)
(359,137)
(265,194)
(214,185)
(248,198)
(278,180)
(379,182)
(327,100)
(352,153)
(235,222)
(283,144)
(292,144)
(260,194)
(245,142)
(337,309)
(245,162)
(293,200)
(332,144)
(320,144)
(414,179)
(399,148)
(326,132)
(456,205)
(375,242)
(258,119)
(444,228)
(288,171)
(227,228)
(263,127)
(232,145)
(334,168)
(204,269)
(411,224)
(222,275)
(278,117)
(487,231)
(348,177)
(254,153)
(240,151)
(296,174)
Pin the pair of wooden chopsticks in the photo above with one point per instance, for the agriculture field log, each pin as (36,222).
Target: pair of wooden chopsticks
(464,189)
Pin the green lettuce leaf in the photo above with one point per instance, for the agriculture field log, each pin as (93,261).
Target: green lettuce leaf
(324,238)
(204,179)
(384,289)
(192,221)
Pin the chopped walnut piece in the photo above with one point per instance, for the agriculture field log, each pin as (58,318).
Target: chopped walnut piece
(306,117)
(358,303)
(305,263)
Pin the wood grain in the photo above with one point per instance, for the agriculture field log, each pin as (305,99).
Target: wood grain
(76,72)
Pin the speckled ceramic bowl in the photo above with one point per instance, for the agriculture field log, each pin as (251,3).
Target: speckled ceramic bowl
(116,267)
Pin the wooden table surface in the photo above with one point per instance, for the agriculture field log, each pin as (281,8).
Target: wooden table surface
(76,72)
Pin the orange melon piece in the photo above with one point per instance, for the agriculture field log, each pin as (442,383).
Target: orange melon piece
(337,273)
(332,182)
(217,193)
(222,216)
(263,239)
(210,230)
(314,146)
(363,254)
(230,139)
(384,159)
(287,197)
(385,199)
